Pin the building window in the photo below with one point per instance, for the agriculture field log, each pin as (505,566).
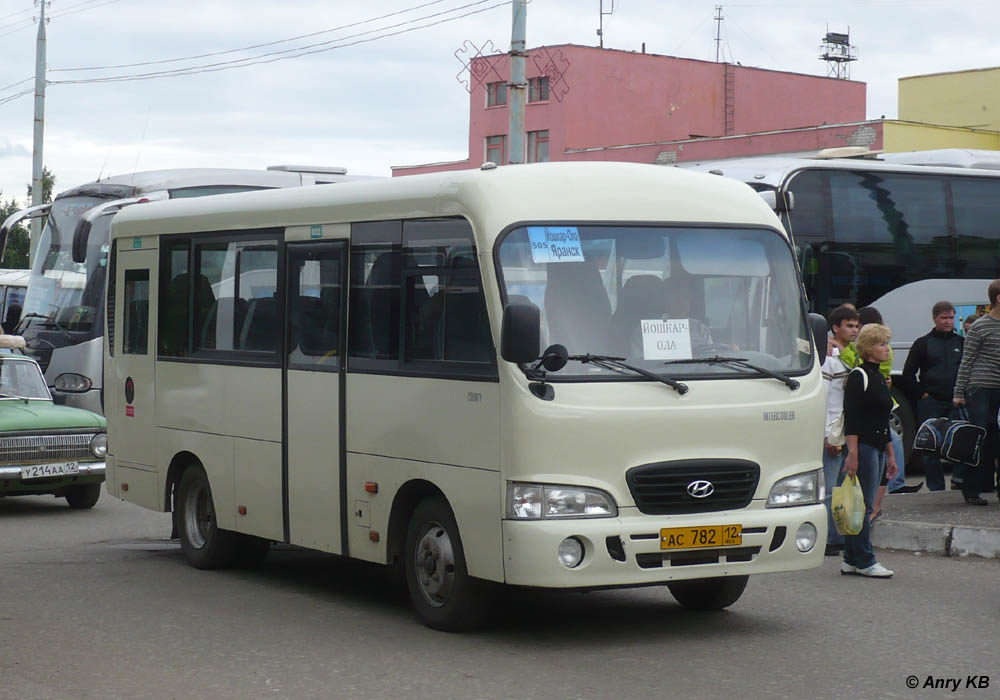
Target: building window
(496,149)
(538,146)
(538,89)
(496,94)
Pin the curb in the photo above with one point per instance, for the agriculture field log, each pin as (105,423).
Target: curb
(949,540)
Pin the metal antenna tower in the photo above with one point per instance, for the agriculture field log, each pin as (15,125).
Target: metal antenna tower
(718,30)
(838,53)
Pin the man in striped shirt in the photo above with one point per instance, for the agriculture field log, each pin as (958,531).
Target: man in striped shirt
(978,388)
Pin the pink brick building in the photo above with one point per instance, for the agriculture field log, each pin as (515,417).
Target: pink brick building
(587,103)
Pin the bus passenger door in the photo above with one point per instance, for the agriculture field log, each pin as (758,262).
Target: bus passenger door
(313,393)
(130,392)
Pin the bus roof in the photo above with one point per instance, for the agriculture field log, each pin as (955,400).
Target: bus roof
(491,199)
(136,184)
(772,171)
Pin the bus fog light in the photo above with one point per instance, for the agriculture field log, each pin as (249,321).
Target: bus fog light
(570,552)
(805,537)
(71,382)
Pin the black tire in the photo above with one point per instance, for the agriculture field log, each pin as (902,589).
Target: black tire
(204,545)
(904,422)
(441,590)
(708,593)
(83,497)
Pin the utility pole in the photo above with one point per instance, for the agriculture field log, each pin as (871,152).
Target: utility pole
(36,161)
(517,87)
(602,14)
(718,30)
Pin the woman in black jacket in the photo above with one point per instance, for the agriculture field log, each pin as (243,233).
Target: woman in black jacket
(867,404)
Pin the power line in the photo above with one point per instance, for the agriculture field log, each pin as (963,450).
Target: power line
(248,48)
(7,87)
(71,10)
(11,98)
(301,51)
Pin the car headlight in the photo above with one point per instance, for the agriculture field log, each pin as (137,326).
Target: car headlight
(537,501)
(99,445)
(73,383)
(798,490)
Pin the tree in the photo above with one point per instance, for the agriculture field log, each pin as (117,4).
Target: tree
(48,184)
(16,256)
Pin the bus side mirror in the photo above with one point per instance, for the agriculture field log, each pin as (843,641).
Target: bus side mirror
(819,331)
(780,202)
(81,236)
(520,332)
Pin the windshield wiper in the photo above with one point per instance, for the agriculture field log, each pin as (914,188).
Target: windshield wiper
(738,362)
(14,396)
(611,362)
(50,319)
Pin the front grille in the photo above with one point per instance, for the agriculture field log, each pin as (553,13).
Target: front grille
(34,449)
(662,488)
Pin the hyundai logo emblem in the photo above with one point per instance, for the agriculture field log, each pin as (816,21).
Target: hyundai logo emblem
(700,489)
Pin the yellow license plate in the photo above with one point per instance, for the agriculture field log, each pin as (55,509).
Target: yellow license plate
(701,537)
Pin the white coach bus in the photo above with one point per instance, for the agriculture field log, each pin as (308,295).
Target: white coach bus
(62,319)
(319,367)
(898,232)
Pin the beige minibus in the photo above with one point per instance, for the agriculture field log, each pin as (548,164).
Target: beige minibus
(557,375)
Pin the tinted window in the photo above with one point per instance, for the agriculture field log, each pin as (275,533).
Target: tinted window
(175,290)
(135,318)
(375,265)
(314,303)
(977,227)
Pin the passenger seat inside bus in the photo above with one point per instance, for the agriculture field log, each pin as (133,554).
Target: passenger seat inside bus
(641,299)
(577,308)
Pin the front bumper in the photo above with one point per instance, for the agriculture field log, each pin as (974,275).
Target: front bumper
(768,546)
(11,482)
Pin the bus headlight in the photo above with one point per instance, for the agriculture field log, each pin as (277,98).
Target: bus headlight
(99,445)
(73,383)
(798,490)
(538,501)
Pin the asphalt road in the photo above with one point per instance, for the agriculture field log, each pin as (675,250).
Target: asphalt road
(98,604)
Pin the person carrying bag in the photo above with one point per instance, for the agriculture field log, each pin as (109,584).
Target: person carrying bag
(867,404)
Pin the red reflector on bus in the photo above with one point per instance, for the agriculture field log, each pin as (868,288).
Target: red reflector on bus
(371,486)
(124,486)
(373,536)
(242,510)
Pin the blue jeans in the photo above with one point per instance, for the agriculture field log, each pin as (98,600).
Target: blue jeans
(858,548)
(831,474)
(897,450)
(933,473)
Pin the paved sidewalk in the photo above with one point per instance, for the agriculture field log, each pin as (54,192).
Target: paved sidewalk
(939,522)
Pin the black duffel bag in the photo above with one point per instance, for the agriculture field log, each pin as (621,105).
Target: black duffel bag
(952,439)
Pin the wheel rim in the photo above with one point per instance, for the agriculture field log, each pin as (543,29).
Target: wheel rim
(198,516)
(434,564)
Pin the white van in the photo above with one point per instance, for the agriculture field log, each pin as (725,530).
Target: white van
(320,367)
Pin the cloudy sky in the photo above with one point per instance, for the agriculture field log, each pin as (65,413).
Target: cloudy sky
(393,98)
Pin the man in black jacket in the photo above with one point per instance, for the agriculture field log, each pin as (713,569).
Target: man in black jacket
(936,356)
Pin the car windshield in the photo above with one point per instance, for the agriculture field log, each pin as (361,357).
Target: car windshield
(656,295)
(21,378)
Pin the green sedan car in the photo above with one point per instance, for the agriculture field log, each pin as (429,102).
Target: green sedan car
(45,449)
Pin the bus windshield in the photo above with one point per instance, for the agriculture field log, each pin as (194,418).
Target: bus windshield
(64,297)
(661,297)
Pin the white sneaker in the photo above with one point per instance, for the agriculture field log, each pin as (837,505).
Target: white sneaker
(848,570)
(876,570)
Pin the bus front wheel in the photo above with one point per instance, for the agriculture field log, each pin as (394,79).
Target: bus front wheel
(204,545)
(708,593)
(443,594)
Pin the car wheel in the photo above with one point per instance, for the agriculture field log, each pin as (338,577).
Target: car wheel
(83,497)
(443,594)
(204,545)
(708,593)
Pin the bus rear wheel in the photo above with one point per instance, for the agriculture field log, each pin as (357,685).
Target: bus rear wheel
(708,593)
(204,545)
(83,497)
(441,590)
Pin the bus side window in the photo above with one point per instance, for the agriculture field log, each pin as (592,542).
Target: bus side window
(135,324)
(374,301)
